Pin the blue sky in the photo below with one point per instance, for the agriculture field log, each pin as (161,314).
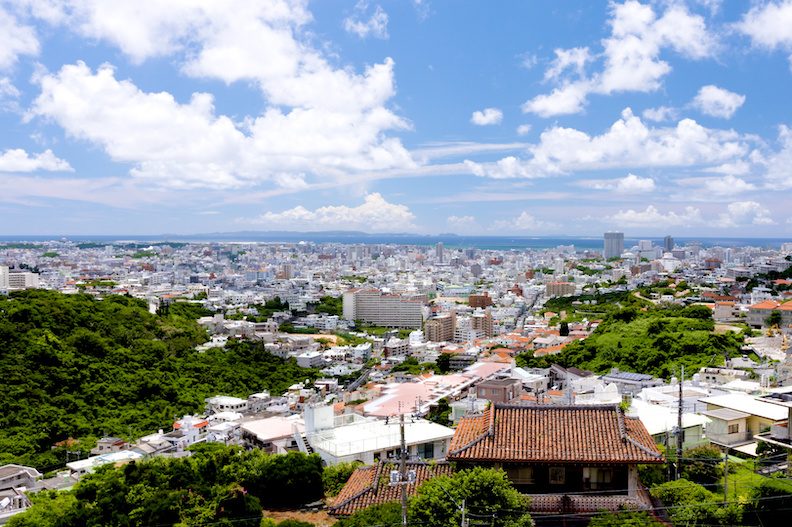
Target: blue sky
(474,117)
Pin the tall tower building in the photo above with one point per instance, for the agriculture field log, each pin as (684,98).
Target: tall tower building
(668,244)
(439,252)
(614,244)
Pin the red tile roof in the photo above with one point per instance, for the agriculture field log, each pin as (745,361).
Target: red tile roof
(369,485)
(553,434)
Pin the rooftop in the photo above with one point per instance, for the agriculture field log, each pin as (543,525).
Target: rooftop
(559,434)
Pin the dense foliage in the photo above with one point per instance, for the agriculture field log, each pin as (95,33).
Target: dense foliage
(335,477)
(488,495)
(74,366)
(218,485)
(330,305)
(770,503)
(656,341)
(690,504)
(624,518)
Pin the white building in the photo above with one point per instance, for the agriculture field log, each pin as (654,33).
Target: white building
(225,403)
(310,359)
(372,306)
(350,437)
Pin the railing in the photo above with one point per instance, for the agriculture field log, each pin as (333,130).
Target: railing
(739,438)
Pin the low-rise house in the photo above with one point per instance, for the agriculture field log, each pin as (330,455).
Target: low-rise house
(499,390)
(568,458)
(109,444)
(737,418)
(85,466)
(15,476)
(629,382)
(276,435)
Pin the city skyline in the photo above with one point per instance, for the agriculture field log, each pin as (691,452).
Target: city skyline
(424,117)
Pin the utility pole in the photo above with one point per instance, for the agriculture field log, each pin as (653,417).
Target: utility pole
(403,471)
(680,433)
(726,476)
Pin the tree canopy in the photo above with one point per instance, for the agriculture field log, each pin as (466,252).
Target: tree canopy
(77,367)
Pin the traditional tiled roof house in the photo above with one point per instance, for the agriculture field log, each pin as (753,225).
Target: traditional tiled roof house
(370,485)
(568,458)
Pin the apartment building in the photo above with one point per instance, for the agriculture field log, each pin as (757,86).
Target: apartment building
(440,328)
(372,306)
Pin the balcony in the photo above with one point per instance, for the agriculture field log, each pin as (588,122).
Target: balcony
(731,440)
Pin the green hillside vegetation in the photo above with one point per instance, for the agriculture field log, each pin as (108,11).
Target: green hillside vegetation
(656,341)
(217,485)
(74,366)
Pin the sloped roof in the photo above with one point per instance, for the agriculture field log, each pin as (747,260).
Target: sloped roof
(553,434)
(370,485)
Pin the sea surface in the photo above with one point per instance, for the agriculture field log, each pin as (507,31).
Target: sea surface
(449,241)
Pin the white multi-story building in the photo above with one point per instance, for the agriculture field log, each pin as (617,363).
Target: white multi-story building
(372,306)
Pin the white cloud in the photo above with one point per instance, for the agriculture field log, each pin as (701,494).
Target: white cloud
(572,58)
(660,114)
(17,39)
(568,99)
(628,143)
(462,223)
(630,184)
(189,145)
(736,168)
(523,129)
(652,217)
(728,185)
(375,26)
(486,117)
(373,215)
(631,56)
(18,160)
(528,60)
(718,102)
(745,213)
(524,222)
(778,164)
(769,24)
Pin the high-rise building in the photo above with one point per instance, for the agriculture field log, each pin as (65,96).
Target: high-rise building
(440,328)
(614,244)
(3,277)
(372,306)
(439,252)
(482,321)
(668,244)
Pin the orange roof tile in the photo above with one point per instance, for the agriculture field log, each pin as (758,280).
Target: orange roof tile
(369,486)
(553,434)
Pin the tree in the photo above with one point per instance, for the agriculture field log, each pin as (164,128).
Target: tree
(385,514)
(692,504)
(440,413)
(563,329)
(624,519)
(487,493)
(444,362)
(774,319)
(771,502)
(334,477)
(703,464)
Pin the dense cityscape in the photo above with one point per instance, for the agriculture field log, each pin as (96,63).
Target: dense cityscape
(360,334)
(395,263)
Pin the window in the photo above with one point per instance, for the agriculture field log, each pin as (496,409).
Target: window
(521,475)
(426,450)
(734,429)
(557,476)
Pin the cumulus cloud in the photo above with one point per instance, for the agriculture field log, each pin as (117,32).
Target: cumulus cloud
(319,120)
(376,25)
(486,117)
(375,214)
(631,57)
(18,39)
(660,114)
(717,102)
(745,213)
(630,184)
(769,25)
(523,129)
(525,222)
(18,160)
(628,143)
(187,145)
(462,223)
(778,164)
(652,217)
(728,185)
